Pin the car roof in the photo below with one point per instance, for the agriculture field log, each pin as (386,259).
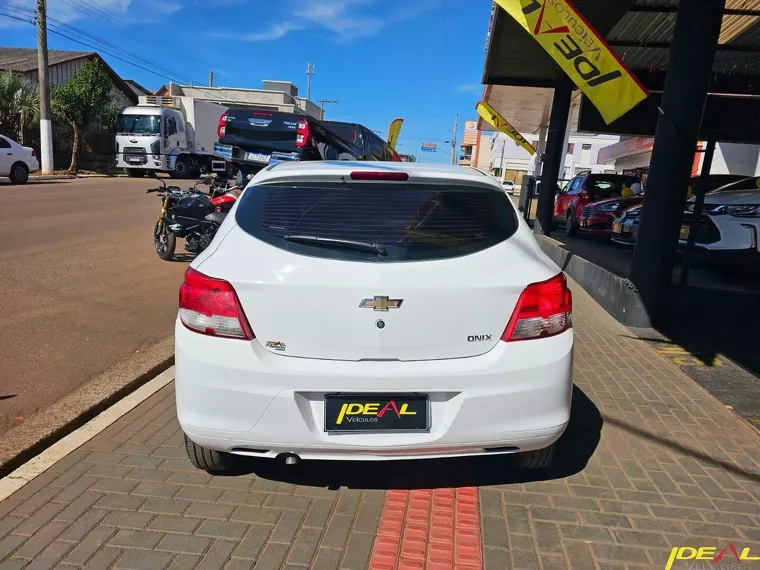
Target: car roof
(327,170)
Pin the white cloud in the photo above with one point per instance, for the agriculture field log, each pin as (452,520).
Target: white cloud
(345,19)
(276,32)
(476,88)
(165,8)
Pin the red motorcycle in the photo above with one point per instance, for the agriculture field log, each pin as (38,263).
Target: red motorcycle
(223,195)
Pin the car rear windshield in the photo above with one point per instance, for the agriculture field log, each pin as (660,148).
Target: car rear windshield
(406,222)
(600,187)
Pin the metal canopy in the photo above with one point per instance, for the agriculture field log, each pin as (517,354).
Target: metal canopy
(640,31)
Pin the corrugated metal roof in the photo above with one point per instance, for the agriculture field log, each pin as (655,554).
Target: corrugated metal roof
(25,59)
(655,28)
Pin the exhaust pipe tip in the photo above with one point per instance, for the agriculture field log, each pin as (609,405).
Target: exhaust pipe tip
(291,459)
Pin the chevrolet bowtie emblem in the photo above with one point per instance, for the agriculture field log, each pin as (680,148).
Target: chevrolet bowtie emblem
(380,303)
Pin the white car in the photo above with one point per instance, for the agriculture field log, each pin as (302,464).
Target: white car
(509,186)
(16,161)
(730,221)
(367,311)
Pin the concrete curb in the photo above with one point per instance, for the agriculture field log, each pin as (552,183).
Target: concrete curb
(73,176)
(60,449)
(43,429)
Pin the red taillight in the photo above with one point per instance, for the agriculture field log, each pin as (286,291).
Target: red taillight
(302,135)
(35,154)
(221,128)
(393,176)
(255,114)
(211,306)
(544,309)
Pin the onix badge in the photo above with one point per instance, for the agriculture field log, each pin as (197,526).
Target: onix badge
(380,303)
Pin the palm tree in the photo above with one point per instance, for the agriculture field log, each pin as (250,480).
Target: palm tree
(19,103)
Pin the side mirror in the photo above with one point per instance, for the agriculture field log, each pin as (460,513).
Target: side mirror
(112,125)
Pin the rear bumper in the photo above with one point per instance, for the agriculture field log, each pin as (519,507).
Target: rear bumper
(237,396)
(32,164)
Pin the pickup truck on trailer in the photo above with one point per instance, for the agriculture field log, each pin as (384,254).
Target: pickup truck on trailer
(252,139)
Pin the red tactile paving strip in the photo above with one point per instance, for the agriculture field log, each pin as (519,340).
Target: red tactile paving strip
(429,530)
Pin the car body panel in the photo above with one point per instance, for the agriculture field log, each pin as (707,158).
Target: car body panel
(583,190)
(14,153)
(266,396)
(725,232)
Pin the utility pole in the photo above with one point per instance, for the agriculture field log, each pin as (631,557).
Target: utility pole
(309,75)
(46,125)
(210,78)
(322,105)
(454,152)
(501,168)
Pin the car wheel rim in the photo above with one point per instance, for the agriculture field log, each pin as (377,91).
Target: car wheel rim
(20,173)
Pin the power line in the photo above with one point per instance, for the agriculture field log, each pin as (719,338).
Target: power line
(57,27)
(114,21)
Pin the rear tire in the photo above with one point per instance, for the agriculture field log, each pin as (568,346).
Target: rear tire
(207,459)
(164,242)
(537,459)
(181,168)
(19,173)
(571,226)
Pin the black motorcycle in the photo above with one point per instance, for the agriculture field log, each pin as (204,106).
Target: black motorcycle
(186,214)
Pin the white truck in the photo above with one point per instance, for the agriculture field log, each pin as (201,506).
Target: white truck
(169,134)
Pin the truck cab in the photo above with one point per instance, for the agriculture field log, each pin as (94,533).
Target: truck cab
(167,134)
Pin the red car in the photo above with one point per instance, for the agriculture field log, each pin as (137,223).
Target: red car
(603,191)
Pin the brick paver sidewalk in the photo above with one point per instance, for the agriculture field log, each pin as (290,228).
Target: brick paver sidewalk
(650,462)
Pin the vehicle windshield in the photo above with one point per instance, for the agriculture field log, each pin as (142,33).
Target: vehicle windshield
(601,186)
(138,124)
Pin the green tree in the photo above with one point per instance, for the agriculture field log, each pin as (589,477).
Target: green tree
(84,98)
(19,103)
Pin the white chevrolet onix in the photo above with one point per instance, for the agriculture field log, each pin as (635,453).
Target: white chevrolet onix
(369,311)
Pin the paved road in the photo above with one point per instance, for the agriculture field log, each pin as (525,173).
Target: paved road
(649,462)
(81,286)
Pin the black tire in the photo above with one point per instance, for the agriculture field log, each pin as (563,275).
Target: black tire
(164,242)
(134,172)
(181,168)
(571,226)
(19,173)
(207,459)
(537,459)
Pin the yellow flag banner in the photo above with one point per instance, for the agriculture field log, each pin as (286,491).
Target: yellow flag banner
(493,118)
(394,130)
(585,57)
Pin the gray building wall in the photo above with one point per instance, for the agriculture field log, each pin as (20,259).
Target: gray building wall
(62,72)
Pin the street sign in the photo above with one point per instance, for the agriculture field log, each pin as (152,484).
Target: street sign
(429,147)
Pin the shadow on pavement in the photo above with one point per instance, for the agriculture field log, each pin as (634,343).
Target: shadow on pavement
(696,454)
(574,449)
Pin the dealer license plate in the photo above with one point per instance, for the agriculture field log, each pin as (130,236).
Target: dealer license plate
(685,232)
(376,413)
(259,157)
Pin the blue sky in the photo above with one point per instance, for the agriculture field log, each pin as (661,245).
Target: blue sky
(417,59)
